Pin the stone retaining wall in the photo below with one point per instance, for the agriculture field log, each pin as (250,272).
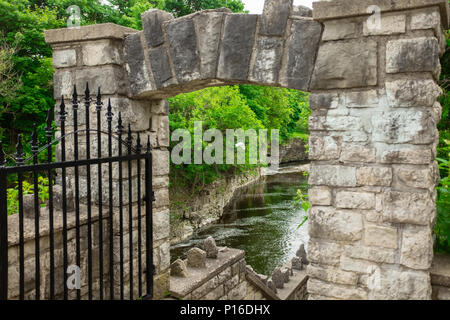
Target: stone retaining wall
(207,206)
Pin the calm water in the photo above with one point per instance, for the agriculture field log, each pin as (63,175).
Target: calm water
(262,220)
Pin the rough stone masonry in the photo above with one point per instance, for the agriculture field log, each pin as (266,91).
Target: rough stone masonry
(373,128)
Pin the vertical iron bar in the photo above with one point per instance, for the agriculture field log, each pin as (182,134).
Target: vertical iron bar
(34,150)
(130,210)
(77,181)
(87,103)
(119,133)
(149,198)
(19,162)
(138,151)
(62,117)
(100,204)
(49,135)
(109,117)
(3,229)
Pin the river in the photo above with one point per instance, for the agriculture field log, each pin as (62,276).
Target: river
(262,220)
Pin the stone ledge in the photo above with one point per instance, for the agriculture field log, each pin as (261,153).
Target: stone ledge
(440,270)
(296,281)
(269,294)
(181,287)
(86,33)
(326,10)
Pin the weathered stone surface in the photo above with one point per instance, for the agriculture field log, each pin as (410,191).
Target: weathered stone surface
(65,84)
(136,66)
(415,177)
(329,175)
(64,58)
(417,247)
(152,21)
(345,65)
(209,28)
(358,153)
(403,126)
(407,156)
(110,79)
(301,45)
(196,258)
(333,290)
(323,252)
(268,61)
(182,40)
(329,223)
(374,176)
(100,53)
(320,196)
(286,272)
(412,55)
(388,25)
(301,253)
(161,225)
(440,270)
(362,99)
(355,200)
(271,286)
(356,265)
(297,263)
(401,284)
(301,11)
(159,59)
(278,278)
(28,206)
(331,274)
(275,17)
(237,46)
(425,20)
(58,198)
(338,30)
(343,123)
(381,236)
(324,147)
(412,93)
(179,269)
(160,107)
(323,100)
(380,255)
(211,248)
(408,207)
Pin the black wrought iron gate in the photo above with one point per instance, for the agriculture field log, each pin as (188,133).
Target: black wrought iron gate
(89,239)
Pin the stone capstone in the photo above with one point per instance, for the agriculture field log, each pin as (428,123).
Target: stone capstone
(179,269)
(211,248)
(278,278)
(196,258)
(301,253)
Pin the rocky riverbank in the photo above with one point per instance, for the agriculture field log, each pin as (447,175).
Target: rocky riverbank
(190,212)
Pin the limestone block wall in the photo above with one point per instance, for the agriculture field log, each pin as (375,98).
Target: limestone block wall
(372,146)
(94,55)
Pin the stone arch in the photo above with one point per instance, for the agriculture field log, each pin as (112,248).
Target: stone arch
(373,128)
(217,47)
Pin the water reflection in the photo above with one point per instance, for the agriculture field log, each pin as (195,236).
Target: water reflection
(262,220)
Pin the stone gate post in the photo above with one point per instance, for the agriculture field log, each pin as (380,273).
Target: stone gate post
(372,145)
(94,54)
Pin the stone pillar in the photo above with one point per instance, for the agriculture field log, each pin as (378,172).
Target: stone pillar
(372,145)
(95,54)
